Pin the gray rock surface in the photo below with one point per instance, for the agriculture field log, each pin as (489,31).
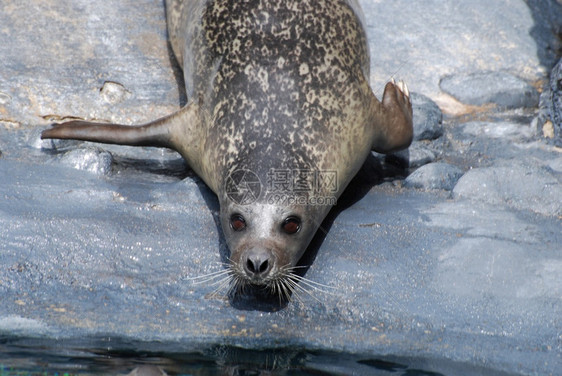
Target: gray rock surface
(94,160)
(62,59)
(428,118)
(471,279)
(499,88)
(520,185)
(419,155)
(508,130)
(500,36)
(434,176)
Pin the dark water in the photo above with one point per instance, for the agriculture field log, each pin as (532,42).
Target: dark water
(58,358)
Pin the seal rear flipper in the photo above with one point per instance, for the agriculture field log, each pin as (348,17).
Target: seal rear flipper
(392,119)
(160,133)
(144,135)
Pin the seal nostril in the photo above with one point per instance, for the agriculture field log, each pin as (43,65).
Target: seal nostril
(257,266)
(250,266)
(263,266)
(257,263)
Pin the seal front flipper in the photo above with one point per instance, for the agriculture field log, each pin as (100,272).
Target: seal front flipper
(392,119)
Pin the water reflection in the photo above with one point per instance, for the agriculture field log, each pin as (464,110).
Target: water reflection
(49,358)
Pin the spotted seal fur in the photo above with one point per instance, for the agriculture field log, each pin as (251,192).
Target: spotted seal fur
(279,120)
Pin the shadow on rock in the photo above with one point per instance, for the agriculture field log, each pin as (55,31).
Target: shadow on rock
(547,16)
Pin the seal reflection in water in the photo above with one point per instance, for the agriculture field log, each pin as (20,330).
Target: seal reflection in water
(279,120)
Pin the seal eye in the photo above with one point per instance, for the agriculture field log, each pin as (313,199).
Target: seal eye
(291,225)
(237,222)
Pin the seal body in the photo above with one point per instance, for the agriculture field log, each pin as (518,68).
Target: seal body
(280,119)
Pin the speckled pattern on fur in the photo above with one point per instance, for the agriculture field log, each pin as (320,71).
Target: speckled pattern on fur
(288,83)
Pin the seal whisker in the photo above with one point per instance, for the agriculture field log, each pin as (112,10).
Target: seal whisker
(209,277)
(296,289)
(224,284)
(315,285)
(304,285)
(225,277)
(278,290)
(240,282)
(293,269)
(233,283)
(308,292)
(287,284)
(278,286)
(289,290)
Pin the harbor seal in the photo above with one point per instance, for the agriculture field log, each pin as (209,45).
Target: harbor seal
(280,118)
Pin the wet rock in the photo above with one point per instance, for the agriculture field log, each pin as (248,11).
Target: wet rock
(90,159)
(114,92)
(556,164)
(434,176)
(56,58)
(500,88)
(35,141)
(147,370)
(23,326)
(491,264)
(5,98)
(549,121)
(486,36)
(9,124)
(518,185)
(54,144)
(499,130)
(427,118)
(420,154)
